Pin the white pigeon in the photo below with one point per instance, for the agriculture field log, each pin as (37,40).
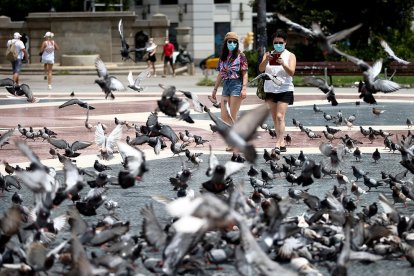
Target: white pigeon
(391,53)
(136,84)
(107,143)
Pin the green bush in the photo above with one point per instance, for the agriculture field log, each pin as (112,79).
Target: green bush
(206,81)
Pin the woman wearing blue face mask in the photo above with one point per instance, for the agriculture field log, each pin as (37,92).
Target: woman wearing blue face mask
(232,69)
(280,63)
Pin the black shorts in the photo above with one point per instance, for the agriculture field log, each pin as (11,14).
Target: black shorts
(168,60)
(152,58)
(286,97)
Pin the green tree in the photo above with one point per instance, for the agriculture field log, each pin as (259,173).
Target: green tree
(381,19)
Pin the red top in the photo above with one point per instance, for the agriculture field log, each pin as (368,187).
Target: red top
(168,49)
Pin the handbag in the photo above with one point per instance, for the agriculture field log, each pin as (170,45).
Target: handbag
(261,94)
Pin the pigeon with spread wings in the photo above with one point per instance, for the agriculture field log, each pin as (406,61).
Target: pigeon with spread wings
(107,82)
(136,84)
(391,53)
(107,143)
(124,45)
(324,42)
(267,76)
(243,130)
(324,87)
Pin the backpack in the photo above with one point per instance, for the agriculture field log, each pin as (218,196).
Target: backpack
(11,52)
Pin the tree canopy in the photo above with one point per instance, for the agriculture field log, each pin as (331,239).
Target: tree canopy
(381,19)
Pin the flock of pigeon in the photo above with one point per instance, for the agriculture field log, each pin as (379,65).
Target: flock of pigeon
(220,221)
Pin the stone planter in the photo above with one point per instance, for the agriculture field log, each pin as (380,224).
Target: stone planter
(78,60)
(183,36)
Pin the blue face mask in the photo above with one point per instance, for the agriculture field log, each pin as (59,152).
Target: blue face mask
(231,46)
(279,47)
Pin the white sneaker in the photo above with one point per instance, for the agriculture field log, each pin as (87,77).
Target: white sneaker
(49,87)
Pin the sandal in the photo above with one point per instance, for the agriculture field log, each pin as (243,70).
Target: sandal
(229,149)
(282,149)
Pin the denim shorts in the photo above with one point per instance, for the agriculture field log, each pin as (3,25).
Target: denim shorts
(17,66)
(232,87)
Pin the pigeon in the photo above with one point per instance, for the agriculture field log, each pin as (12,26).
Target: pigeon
(391,53)
(316,108)
(370,73)
(377,111)
(267,76)
(124,45)
(243,130)
(6,82)
(22,90)
(409,123)
(100,167)
(197,105)
(357,154)
(324,42)
(107,82)
(136,84)
(134,165)
(70,149)
(328,90)
(4,137)
(78,102)
(376,155)
(173,106)
(335,154)
(107,143)
(357,191)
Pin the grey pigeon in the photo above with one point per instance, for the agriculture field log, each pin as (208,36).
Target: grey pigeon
(107,82)
(135,84)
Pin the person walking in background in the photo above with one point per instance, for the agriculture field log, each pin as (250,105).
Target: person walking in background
(21,55)
(232,68)
(151,58)
(282,64)
(167,56)
(48,56)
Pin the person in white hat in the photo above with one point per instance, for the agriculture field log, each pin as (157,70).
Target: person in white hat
(21,54)
(48,56)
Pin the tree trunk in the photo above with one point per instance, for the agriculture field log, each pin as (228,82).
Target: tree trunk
(261,30)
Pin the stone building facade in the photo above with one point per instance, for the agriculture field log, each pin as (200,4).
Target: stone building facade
(84,33)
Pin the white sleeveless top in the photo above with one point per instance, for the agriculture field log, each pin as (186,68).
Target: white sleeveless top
(49,51)
(281,74)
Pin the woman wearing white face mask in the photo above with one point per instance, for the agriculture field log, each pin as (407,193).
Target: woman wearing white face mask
(280,63)
(232,69)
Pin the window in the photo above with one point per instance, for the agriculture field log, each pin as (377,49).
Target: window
(221,1)
(172,35)
(169,2)
(220,31)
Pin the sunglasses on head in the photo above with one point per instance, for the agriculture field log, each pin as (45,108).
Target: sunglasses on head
(278,42)
(232,41)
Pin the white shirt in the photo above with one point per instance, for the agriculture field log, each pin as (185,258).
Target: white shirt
(19,46)
(281,74)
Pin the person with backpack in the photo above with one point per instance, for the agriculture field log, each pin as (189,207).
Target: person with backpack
(48,56)
(16,53)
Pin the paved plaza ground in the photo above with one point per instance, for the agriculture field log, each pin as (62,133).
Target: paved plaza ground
(135,107)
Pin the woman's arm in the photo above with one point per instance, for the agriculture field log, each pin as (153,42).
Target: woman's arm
(245,79)
(42,47)
(291,66)
(56,46)
(216,85)
(265,60)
